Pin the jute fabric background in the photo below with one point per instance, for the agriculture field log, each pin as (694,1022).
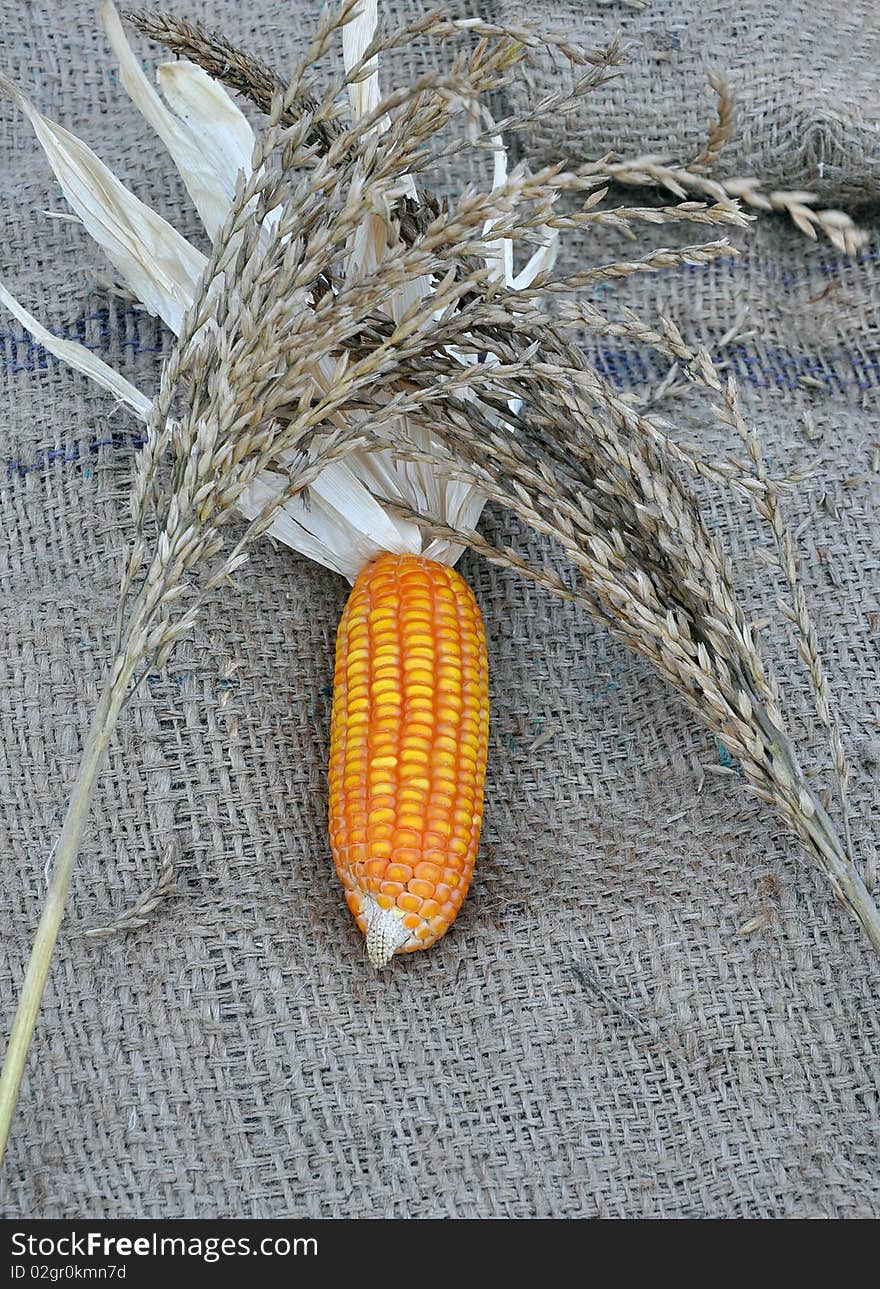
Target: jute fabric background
(595,1036)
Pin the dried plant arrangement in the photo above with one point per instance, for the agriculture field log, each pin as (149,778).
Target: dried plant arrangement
(358,368)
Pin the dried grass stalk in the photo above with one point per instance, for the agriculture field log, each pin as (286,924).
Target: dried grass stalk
(800,207)
(289,362)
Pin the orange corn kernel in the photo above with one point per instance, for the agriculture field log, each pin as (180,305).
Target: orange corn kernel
(411,654)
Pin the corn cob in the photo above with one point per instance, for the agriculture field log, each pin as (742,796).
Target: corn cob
(407,750)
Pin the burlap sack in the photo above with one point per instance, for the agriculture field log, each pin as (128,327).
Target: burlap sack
(803,75)
(598,1034)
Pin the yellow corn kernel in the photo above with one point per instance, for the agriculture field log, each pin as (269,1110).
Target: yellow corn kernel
(408,750)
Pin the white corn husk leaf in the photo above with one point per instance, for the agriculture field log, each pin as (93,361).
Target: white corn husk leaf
(80,358)
(387,476)
(338,488)
(461,503)
(541,261)
(158,266)
(464,516)
(371,243)
(365,95)
(340,524)
(499,259)
(220,128)
(395,481)
(208,172)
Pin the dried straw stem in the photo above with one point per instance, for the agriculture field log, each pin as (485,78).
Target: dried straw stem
(53,908)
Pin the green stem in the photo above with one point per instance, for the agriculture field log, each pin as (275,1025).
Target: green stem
(53,910)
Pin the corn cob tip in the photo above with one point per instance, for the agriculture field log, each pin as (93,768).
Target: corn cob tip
(385,933)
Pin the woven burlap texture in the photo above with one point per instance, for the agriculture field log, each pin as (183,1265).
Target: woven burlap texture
(803,75)
(595,1036)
